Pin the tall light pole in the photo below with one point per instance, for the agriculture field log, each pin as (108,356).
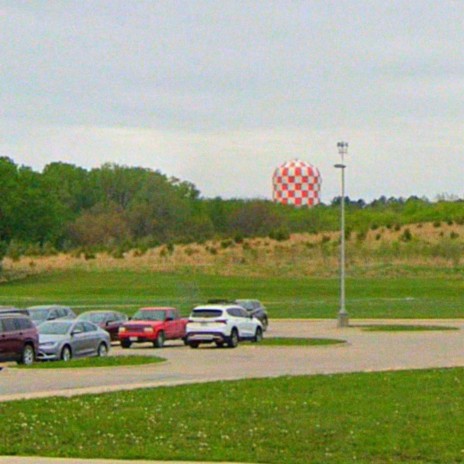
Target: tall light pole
(343,320)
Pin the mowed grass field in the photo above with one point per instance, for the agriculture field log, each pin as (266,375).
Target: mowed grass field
(285,297)
(387,417)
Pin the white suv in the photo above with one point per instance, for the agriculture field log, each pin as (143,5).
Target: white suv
(222,324)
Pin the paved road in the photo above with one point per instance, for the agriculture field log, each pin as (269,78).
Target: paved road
(364,351)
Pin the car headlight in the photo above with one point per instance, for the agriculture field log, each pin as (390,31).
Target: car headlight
(122,329)
(47,344)
(148,329)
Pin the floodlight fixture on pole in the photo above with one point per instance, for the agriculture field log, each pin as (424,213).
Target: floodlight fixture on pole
(343,319)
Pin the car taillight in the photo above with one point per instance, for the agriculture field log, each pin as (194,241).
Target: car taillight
(221,321)
(190,321)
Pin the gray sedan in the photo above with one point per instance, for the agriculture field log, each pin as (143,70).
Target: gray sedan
(66,339)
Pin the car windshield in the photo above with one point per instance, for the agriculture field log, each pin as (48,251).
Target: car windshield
(147,315)
(96,318)
(247,304)
(207,313)
(38,314)
(54,328)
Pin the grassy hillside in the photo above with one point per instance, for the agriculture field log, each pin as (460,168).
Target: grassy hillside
(422,249)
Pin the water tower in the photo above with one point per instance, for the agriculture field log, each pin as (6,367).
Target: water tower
(297,183)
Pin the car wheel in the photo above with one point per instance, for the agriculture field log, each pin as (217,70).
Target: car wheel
(233,339)
(102,350)
(125,344)
(27,356)
(159,342)
(258,335)
(66,354)
(193,345)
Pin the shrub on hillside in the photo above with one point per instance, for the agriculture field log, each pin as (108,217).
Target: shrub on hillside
(406,236)
(280,234)
(238,237)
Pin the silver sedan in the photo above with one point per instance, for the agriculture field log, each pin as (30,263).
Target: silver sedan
(67,339)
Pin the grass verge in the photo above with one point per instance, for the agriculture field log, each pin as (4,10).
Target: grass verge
(107,361)
(290,341)
(401,328)
(400,417)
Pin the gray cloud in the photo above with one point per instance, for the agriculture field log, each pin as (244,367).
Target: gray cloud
(236,87)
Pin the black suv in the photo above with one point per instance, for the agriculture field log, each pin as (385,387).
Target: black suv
(19,340)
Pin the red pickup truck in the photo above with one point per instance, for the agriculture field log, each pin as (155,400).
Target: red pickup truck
(153,325)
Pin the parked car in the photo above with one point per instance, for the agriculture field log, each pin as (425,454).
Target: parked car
(222,324)
(18,339)
(66,339)
(13,310)
(255,308)
(41,314)
(107,320)
(153,325)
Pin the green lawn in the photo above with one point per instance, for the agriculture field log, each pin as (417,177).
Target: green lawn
(390,417)
(107,361)
(284,297)
(402,328)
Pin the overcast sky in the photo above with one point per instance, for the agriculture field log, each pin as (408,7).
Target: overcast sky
(221,92)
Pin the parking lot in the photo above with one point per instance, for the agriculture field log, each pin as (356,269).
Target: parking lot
(364,351)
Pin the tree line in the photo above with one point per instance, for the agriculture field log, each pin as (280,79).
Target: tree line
(65,207)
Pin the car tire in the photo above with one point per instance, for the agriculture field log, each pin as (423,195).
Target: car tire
(125,344)
(193,344)
(66,353)
(232,342)
(258,335)
(159,342)
(102,350)
(27,356)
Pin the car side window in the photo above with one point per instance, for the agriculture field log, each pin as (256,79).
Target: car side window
(9,325)
(1,327)
(89,327)
(80,326)
(53,314)
(24,323)
(242,312)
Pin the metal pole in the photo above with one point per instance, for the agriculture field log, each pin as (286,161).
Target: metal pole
(343,319)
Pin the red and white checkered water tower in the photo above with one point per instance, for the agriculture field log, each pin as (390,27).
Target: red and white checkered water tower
(297,183)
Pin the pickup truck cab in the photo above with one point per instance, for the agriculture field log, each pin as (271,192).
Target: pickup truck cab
(153,325)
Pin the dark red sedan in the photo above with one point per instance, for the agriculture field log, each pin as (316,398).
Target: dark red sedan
(107,320)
